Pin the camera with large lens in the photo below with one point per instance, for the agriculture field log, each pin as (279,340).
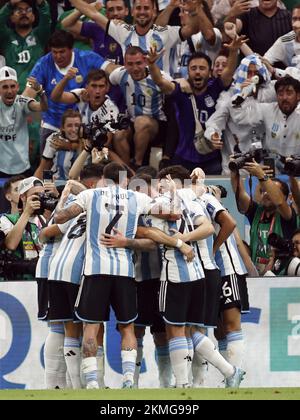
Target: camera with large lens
(292,167)
(283,247)
(285,263)
(48,202)
(96,130)
(256,152)
(240,159)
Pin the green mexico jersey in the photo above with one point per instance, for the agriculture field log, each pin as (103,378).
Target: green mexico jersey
(21,53)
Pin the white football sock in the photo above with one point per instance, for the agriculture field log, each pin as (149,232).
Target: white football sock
(178,349)
(55,365)
(72,355)
(235,348)
(206,348)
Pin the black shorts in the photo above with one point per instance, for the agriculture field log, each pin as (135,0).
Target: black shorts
(182,303)
(213,291)
(62,298)
(43,298)
(98,292)
(234,293)
(147,304)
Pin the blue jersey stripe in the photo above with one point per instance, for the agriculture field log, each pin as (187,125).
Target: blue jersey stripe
(94,229)
(77,266)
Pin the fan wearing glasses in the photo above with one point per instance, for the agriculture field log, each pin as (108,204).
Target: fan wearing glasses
(22,39)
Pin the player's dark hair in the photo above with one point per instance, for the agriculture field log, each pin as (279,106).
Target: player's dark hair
(112,171)
(288,81)
(197,55)
(147,170)
(93,170)
(61,39)
(176,172)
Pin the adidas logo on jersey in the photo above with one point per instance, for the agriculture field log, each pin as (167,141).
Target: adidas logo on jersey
(227,301)
(70,353)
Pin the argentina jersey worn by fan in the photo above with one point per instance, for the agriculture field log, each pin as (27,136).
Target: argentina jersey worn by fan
(147,264)
(162,37)
(227,257)
(62,159)
(48,74)
(67,264)
(143,97)
(195,207)
(175,268)
(105,112)
(14,139)
(108,208)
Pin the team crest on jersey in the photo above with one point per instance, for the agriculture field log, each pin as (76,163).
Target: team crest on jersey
(30,41)
(113,47)
(79,78)
(154,44)
(149,92)
(274,130)
(209,102)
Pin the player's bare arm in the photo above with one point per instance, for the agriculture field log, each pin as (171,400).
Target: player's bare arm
(64,215)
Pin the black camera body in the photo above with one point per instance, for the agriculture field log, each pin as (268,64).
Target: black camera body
(48,202)
(292,167)
(96,131)
(284,248)
(240,159)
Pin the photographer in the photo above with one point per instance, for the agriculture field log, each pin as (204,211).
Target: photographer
(285,260)
(280,120)
(22,230)
(272,214)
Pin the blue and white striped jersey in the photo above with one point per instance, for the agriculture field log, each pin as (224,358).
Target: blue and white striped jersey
(181,53)
(105,112)
(142,97)
(67,264)
(163,37)
(108,208)
(45,256)
(204,246)
(227,257)
(62,159)
(147,264)
(49,248)
(175,267)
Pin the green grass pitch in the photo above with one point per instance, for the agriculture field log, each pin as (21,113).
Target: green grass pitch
(155,394)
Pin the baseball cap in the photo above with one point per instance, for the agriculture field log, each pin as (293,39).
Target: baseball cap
(28,183)
(7,73)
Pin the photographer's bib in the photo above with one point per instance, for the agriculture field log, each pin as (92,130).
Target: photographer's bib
(260,231)
(29,246)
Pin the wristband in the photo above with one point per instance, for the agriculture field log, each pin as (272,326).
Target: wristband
(179,243)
